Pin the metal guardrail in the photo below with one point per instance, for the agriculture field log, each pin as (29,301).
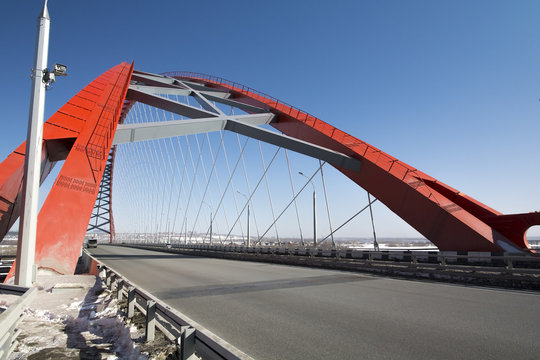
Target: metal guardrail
(192,339)
(11,317)
(5,266)
(414,257)
(488,269)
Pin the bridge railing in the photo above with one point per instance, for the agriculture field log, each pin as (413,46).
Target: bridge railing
(11,317)
(5,266)
(509,261)
(499,270)
(190,337)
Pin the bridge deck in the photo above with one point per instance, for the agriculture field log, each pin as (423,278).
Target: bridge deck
(283,312)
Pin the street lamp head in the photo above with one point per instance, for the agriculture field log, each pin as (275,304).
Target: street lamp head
(309,179)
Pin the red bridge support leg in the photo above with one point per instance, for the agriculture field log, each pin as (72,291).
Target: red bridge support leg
(81,132)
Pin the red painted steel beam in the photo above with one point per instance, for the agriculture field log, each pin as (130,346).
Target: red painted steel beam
(81,132)
(56,144)
(450,219)
(64,217)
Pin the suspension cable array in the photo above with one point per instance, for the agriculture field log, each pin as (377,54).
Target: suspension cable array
(173,188)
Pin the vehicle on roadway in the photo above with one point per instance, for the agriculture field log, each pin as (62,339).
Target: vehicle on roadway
(92,243)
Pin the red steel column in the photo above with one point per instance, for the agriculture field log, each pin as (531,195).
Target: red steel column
(63,219)
(81,132)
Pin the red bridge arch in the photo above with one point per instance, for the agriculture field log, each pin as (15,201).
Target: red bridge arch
(81,133)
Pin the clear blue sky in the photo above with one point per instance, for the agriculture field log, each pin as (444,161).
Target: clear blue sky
(450,87)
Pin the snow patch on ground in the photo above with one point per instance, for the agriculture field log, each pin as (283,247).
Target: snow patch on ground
(74,317)
(6,300)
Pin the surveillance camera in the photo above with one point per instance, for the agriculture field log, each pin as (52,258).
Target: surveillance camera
(60,70)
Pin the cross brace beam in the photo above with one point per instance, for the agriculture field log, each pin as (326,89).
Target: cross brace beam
(240,124)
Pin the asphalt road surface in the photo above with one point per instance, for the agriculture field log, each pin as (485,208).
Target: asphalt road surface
(285,312)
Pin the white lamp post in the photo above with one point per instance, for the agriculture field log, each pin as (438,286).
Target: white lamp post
(314,210)
(41,79)
(26,248)
(248,235)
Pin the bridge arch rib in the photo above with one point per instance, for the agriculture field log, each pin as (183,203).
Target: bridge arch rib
(82,132)
(450,219)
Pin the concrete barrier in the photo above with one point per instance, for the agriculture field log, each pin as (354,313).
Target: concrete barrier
(11,317)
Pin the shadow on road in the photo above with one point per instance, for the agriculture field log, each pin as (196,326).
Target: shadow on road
(227,289)
(131,257)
